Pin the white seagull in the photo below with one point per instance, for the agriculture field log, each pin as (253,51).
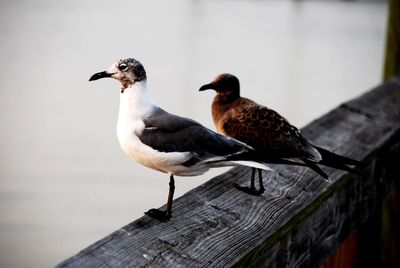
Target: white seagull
(165,142)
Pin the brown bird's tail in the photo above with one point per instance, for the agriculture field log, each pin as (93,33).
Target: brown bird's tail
(329,159)
(333,160)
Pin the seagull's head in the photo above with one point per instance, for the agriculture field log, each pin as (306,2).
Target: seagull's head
(225,85)
(126,71)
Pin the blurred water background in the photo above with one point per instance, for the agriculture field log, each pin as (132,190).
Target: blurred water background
(64,181)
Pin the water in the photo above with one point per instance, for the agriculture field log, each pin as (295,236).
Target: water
(64,182)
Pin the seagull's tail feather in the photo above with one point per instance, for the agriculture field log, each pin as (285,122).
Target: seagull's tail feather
(252,164)
(333,160)
(248,158)
(244,159)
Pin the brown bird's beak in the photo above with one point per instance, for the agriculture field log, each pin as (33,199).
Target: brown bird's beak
(100,75)
(207,86)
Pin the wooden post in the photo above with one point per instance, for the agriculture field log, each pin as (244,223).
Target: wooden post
(299,221)
(392,58)
(375,243)
(390,232)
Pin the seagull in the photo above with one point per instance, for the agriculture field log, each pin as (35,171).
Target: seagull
(166,142)
(266,131)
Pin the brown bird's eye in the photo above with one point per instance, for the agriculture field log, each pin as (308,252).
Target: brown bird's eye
(123,67)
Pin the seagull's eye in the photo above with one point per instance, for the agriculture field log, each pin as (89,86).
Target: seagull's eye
(123,67)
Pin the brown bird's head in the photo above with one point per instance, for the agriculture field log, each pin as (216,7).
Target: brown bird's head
(226,85)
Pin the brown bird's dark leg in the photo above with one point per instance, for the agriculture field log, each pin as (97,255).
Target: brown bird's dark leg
(260,181)
(167,214)
(253,174)
(252,189)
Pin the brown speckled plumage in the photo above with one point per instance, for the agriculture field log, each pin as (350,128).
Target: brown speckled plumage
(261,128)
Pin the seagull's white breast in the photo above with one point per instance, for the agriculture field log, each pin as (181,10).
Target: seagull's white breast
(134,105)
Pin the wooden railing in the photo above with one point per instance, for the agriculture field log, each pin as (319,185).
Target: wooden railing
(299,221)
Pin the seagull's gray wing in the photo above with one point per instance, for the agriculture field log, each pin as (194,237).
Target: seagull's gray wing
(166,132)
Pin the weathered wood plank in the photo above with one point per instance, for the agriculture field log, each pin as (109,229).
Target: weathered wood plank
(297,222)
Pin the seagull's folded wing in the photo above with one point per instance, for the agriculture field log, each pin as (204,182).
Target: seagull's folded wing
(166,132)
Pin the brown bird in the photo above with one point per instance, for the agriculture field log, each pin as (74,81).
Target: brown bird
(267,132)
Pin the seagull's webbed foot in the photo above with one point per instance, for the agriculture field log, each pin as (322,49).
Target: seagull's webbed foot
(157,214)
(164,215)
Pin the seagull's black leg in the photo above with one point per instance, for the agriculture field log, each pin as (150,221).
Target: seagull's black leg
(171,192)
(167,214)
(252,189)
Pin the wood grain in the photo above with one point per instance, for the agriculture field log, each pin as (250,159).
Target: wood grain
(297,222)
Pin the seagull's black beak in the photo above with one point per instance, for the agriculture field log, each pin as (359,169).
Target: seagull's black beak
(99,75)
(207,86)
